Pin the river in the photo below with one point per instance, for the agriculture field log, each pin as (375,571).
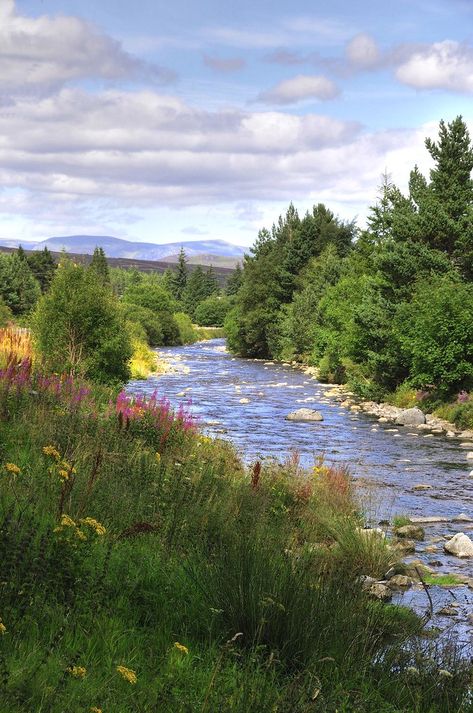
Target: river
(246,401)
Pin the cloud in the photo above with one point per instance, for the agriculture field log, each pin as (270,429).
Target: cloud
(363,52)
(444,65)
(224,65)
(285,57)
(299,88)
(42,54)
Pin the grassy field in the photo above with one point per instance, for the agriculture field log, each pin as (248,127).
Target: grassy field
(144,569)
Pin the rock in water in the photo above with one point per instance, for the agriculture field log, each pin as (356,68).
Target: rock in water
(305,414)
(460,545)
(410,417)
(413,532)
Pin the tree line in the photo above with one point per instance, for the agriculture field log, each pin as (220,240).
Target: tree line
(388,308)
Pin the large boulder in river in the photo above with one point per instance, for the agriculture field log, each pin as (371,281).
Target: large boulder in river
(460,545)
(411,532)
(305,414)
(410,417)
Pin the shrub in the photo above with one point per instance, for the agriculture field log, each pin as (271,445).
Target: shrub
(187,333)
(212,311)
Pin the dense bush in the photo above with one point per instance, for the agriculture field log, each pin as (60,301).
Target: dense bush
(78,327)
(212,311)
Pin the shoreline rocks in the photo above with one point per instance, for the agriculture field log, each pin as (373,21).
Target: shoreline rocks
(459,545)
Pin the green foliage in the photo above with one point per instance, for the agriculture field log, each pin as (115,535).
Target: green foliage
(234,281)
(180,276)
(215,594)
(6,315)
(43,266)
(212,311)
(187,333)
(199,286)
(18,287)
(78,327)
(99,265)
(147,319)
(149,292)
(434,332)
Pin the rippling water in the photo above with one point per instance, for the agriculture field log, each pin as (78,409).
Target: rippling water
(387,461)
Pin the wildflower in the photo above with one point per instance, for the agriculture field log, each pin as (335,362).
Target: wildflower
(64,474)
(52,452)
(80,535)
(3,628)
(94,709)
(77,671)
(66,521)
(180,647)
(94,525)
(67,466)
(158,457)
(127,674)
(12,468)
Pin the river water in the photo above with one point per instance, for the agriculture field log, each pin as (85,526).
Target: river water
(246,401)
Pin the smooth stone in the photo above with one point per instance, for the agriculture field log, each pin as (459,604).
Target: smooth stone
(448,611)
(305,414)
(469,455)
(422,486)
(411,417)
(460,545)
(462,518)
(378,590)
(466,444)
(400,581)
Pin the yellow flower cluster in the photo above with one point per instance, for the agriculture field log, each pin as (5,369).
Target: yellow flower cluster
(95,710)
(3,628)
(158,457)
(94,525)
(127,674)
(12,468)
(67,522)
(52,452)
(77,671)
(180,647)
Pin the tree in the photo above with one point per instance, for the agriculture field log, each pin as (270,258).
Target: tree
(99,265)
(43,267)
(234,281)
(199,286)
(212,311)
(78,327)
(180,276)
(18,287)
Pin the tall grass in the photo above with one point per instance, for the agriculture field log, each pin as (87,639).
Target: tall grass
(143,568)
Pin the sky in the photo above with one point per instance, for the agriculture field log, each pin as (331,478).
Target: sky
(179,120)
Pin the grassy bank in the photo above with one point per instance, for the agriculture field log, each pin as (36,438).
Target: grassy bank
(144,569)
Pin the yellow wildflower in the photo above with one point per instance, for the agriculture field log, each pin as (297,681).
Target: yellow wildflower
(158,457)
(127,674)
(94,525)
(95,710)
(67,466)
(180,647)
(77,671)
(66,521)
(3,628)
(51,451)
(64,474)
(12,468)
(80,535)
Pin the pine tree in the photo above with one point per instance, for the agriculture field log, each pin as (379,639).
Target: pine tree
(181,275)
(234,281)
(99,265)
(43,267)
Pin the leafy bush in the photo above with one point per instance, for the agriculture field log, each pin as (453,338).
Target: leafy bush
(148,320)
(187,333)
(212,311)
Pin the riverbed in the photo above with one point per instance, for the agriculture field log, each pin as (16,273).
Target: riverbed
(246,401)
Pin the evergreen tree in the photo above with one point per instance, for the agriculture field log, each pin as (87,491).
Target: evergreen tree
(234,281)
(180,275)
(43,267)
(99,265)
(18,286)
(199,285)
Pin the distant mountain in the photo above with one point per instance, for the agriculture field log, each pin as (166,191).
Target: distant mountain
(115,247)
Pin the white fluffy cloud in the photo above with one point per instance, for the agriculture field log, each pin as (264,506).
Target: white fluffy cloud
(41,54)
(363,52)
(299,88)
(442,65)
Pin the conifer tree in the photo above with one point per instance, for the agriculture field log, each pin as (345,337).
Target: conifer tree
(99,265)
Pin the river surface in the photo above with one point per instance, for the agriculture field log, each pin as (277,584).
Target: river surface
(246,401)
